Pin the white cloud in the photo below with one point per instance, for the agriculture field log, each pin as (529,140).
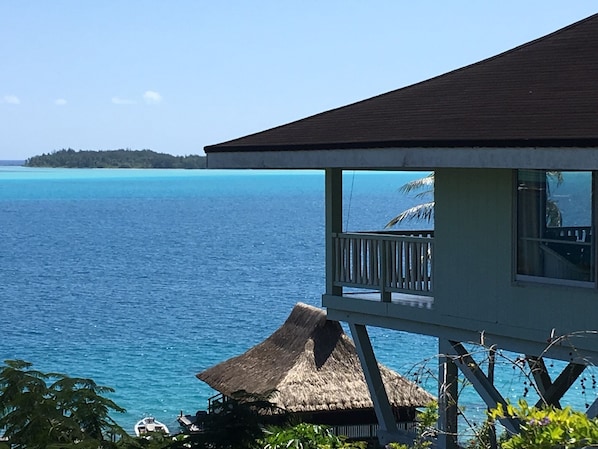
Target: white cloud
(118,100)
(152,97)
(11,99)
(60,102)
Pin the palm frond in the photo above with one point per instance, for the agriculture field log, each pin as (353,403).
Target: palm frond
(426,182)
(554,216)
(423,211)
(555,176)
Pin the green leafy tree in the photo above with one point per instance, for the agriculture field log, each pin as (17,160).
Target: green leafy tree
(157,440)
(306,436)
(235,422)
(46,410)
(425,431)
(548,427)
(122,158)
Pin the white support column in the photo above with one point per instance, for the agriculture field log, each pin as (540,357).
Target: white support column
(388,431)
(334,223)
(447,397)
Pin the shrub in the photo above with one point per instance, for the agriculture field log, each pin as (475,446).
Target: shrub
(306,436)
(43,410)
(548,427)
(426,429)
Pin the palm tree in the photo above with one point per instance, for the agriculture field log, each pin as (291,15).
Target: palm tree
(424,211)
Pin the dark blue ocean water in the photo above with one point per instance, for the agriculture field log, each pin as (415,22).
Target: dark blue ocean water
(140,279)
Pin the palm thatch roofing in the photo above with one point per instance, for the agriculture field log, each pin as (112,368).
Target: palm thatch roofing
(310,365)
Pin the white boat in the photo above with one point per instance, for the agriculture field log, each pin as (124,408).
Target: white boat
(149,424)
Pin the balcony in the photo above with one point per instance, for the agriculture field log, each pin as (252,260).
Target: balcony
(558,253)
(386,266)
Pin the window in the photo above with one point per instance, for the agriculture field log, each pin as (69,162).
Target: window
(555,225)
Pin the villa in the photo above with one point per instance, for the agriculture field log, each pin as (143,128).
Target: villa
(495,271)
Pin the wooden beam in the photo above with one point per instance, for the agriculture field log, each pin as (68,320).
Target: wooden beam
(552,392)
(387,425)
(473,372)
(592,412)
(540,375)
(432,322)
(334,223)
(493,443)
(447,397)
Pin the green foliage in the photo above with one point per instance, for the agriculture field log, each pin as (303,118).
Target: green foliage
(485,437)
(235,426)
(115,159)
(548,428)
(426,429)
(424,211)
(45,410)
(155,440)
(235,422)
(306,436)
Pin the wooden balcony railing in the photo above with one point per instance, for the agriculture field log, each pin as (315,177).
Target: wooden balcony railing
(572,233)
(385,261)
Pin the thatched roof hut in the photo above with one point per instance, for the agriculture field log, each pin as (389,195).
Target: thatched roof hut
(312,366)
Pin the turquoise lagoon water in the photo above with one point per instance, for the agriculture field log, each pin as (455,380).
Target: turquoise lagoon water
(140,279)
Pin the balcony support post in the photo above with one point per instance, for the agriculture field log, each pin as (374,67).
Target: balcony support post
(474,374)
(447,397)
(552,392)
(388,430)
(334,224)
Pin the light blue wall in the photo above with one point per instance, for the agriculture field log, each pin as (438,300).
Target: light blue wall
(474,283)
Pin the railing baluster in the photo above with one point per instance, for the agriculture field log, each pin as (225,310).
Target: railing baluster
(417,266)
(421,267)
(401,262)
(426,265)
(386,294)
(408,265)
(369,262)
(376,262)
(392,267)
(340,259)
(348,265)
(362,261)
(355,257)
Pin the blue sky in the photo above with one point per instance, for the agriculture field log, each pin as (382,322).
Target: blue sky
(174,76)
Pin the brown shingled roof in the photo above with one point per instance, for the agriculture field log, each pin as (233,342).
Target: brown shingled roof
(543,93)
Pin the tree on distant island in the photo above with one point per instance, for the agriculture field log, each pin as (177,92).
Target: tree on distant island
(122,158)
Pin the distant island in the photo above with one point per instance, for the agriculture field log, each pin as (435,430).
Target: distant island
(11,163)
(69,158)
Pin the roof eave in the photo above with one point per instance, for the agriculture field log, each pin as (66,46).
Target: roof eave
(412,158)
